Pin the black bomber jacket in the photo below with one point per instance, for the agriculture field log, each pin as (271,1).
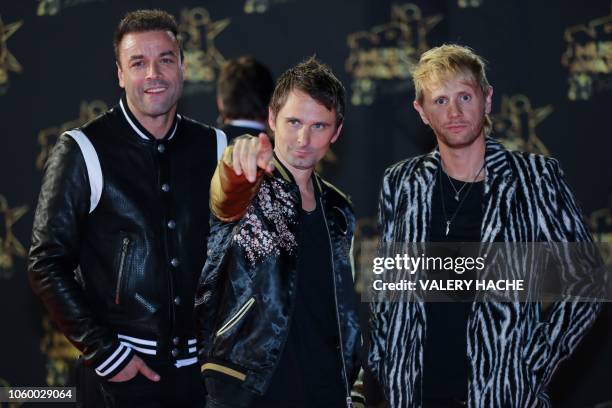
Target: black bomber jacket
(120,234)
(245,295)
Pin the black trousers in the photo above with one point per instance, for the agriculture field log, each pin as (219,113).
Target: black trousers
(177,388)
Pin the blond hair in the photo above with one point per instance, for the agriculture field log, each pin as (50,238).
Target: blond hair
(447,61)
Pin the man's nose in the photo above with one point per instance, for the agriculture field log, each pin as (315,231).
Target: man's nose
(454,109)
(153,71)
(303,137)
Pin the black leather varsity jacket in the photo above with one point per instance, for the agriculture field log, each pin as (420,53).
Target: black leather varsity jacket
(248,285)
(120,234)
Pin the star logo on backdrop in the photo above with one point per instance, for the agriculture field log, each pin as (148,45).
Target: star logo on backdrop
(48,136)
(9,244)
(8,62)
(516,124)
(203,60)
(381,58)
(587,57)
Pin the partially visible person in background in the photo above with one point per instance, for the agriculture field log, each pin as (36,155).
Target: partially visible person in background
(243,93)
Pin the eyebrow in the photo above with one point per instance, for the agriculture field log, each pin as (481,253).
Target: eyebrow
(166,53)
(445,95)
(163,54)
(288,118)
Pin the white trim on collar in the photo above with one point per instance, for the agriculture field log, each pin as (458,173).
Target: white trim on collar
(127,117)
(247,123)
(138,131)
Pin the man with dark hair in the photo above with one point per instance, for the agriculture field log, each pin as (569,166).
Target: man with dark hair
(244,89)
(275,307)
(121,225)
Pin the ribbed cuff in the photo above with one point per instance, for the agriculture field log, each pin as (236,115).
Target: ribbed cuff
(115,362)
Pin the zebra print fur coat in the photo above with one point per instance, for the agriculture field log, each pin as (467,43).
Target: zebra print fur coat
(512,351)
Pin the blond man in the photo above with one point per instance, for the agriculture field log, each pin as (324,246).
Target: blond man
(471,189)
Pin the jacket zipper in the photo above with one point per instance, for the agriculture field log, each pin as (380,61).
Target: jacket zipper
(349,400)
(236,317)
(124,247)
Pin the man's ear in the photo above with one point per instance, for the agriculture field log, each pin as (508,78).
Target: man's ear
(271,119)
(421,111)
(337,134)
(488,100)
(120,75)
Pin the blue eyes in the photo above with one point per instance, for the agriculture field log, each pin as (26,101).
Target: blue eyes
(297,123)
(444,100)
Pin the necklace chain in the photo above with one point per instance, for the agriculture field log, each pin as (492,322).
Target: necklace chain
(452,218)
(457,192)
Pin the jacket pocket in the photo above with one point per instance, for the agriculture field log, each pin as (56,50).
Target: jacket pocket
(123,255)
(232,321)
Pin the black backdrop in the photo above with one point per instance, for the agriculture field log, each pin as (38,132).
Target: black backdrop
(550,65)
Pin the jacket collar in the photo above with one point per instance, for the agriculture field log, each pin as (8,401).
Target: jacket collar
(139,129)
(281,171)
(496,163)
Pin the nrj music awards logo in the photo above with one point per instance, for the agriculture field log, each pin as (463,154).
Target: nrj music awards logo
(515,125)
(48,136)
(381,58)
(588,58)
(8,62)
(52,7)
(10,246)
(203,60)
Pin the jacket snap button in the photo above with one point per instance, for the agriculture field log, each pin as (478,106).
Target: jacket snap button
(176,340)
(177,300)
(161,148)
(165,187)
(172,224)
(175,352)
(174,262)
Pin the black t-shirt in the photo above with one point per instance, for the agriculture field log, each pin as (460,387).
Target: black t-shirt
(309,373)
(445,359)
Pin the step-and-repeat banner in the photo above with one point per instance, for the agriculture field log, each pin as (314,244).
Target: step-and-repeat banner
(550,64)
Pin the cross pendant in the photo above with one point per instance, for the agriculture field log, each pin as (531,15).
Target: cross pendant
(457,197)
(447,227)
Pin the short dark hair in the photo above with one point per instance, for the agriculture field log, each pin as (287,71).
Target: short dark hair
(245,87)
(139,21)
(315,79)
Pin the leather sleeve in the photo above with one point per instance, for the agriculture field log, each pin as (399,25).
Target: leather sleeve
(63,206)
(230,194)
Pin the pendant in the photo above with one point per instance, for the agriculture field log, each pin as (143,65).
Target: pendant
(447,227)
(457,197)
